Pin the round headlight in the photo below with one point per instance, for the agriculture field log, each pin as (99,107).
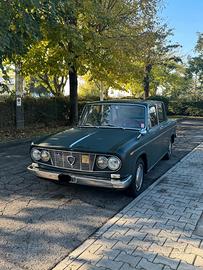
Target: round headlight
(114,163)
(102,162)
(36,154)
(45,156)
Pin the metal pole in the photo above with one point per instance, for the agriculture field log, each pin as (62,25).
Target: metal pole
(19,98)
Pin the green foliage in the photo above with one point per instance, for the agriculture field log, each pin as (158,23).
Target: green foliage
(181,106)
(187,108)
(119,44)
(45,66)
(80,34)
(55,111)
(199,45)
(19,27)
(7,112)
(195,70)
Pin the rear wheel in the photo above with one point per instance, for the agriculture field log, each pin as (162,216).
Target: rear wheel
(136,187)
(169,153)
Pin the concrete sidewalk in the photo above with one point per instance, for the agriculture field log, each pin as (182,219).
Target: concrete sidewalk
(162,229)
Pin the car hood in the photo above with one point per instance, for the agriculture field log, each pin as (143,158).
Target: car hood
(100,140)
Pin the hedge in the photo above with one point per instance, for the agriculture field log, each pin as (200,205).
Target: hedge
(55,111)
(37,111)
(181,107)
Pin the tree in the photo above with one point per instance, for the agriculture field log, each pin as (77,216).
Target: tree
(124,25)
(195,68)
(85,32)
(107,38)
(45,66)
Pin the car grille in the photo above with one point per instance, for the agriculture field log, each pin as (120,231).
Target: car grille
(72,160)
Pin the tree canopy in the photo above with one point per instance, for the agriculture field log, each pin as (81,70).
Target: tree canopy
(118,43)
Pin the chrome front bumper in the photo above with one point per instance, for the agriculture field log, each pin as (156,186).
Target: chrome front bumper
(81,180)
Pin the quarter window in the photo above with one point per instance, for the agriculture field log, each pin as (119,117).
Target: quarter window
(153,116)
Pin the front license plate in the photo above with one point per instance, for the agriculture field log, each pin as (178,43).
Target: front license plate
(85,159)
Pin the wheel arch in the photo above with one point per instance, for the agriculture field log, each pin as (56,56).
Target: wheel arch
(143,156)
(173,138)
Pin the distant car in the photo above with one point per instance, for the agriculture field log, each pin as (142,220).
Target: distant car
(114,145)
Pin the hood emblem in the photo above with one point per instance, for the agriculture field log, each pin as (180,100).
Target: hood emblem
(71,160)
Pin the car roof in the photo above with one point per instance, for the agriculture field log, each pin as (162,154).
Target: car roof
(127,101)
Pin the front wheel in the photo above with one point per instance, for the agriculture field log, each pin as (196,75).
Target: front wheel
(136,187)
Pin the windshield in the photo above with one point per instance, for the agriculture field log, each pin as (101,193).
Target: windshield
(114,115)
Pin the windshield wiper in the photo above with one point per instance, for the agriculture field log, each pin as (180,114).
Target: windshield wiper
(108,125)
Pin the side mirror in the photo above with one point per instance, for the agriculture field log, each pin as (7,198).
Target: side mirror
(143,131)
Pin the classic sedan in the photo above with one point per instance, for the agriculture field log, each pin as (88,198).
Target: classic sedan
(114,145)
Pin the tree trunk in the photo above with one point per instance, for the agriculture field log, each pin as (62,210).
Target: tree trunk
(73,83)
(101,91)
(146,81)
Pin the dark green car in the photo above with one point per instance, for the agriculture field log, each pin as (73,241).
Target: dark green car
(114,145)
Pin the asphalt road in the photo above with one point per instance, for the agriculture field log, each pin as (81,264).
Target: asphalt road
(41,222)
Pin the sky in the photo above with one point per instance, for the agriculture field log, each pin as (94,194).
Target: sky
(185,17)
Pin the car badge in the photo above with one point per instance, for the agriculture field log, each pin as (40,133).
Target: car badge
(71,160)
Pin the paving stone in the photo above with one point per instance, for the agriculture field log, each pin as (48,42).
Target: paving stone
(185,266)
(155,239)
(127,266)
(194,250)
(92,258)
(114,265)
(145,264)
(169,235)
(88,266)
(199,261)
(132,260)
(140,243)
(108,253)
(73,266)
(186,257)
(160,249)
(172,263)
(120,246)
(174,244)
(144,254)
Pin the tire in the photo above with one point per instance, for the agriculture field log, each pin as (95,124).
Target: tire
(136,187)
(169,153)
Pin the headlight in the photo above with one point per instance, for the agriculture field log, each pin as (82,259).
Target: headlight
(36,154)
(114,163)
(102,162)
(45,156)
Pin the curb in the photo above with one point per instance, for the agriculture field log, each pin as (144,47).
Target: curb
(95,236)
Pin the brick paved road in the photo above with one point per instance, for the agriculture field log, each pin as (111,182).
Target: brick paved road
(156,231)
(40,222)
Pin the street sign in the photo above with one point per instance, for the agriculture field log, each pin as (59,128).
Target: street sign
(18,101)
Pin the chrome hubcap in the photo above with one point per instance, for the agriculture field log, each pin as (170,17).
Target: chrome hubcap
(139,177)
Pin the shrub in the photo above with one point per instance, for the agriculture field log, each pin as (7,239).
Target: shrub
(187,108)
(181,107)
(55,111)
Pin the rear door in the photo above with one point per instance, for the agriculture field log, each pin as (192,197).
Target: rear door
(153,148)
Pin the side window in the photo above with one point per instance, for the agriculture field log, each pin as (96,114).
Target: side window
(161,113)
(153,116)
